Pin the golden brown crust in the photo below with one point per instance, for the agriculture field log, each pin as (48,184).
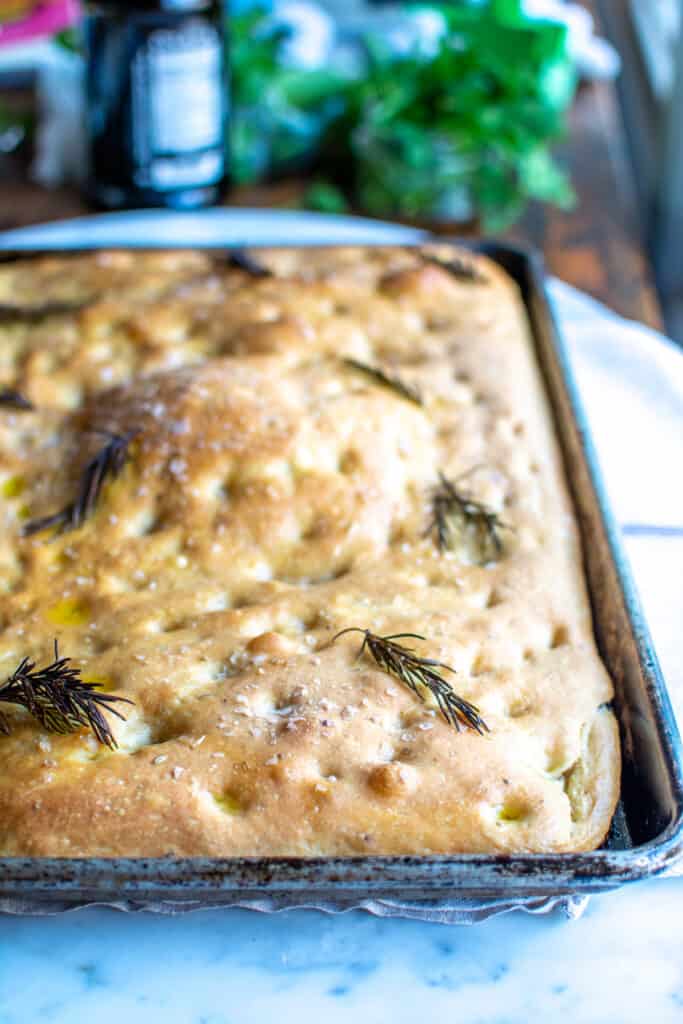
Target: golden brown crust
(274,496)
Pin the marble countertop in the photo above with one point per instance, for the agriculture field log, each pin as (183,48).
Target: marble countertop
(621,962)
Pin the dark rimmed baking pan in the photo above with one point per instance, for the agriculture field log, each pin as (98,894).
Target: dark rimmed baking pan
(646,837)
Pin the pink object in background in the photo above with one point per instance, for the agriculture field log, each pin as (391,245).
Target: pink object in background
(44,20)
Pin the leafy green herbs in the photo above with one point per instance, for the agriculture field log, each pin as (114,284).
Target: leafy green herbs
(10,313)
(420,675)
(107,464)
(11,399)
(59,699)
(463,130)
(380,376)
(458,521)
(278,111)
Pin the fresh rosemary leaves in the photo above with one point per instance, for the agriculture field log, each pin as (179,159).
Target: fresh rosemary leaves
(459,267)
(460,521)
(386,380)
(420,675)
(9,313)
(242,260)
(59,700)
(11,399)
(108,463)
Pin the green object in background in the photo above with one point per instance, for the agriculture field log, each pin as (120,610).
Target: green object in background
(326,198)
(278,112)
(69,39)
(463,132)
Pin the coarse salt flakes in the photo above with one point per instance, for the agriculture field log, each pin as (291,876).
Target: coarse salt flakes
(179,427)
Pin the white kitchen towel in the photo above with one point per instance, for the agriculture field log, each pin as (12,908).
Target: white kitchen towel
(631,384)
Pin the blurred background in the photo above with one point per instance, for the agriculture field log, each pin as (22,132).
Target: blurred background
(557,124)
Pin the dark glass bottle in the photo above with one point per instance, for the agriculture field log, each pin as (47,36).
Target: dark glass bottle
(157,103)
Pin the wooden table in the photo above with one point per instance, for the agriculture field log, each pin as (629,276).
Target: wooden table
(598,246)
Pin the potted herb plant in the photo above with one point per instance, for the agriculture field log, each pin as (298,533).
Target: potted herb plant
(465,131)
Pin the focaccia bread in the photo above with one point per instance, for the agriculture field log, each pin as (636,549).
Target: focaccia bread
(288,428)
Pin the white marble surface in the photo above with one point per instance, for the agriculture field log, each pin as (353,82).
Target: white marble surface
(622,962)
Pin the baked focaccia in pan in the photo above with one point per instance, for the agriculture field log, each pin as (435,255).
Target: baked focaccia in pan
(305,512)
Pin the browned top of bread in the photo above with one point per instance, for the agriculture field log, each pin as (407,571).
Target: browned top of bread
(274,495)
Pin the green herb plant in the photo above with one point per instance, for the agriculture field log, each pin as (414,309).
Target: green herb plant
(278,112)
(464,131)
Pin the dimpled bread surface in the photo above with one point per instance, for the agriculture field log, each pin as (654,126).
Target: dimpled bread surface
(273,496)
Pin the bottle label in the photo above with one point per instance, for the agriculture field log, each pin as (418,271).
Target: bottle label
(177,106)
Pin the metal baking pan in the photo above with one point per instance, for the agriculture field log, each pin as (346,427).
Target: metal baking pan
(646,836)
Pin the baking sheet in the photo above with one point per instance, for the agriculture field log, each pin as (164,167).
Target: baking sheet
(455,889)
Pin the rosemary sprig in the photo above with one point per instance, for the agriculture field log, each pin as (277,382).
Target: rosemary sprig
(419,675)
(11,399)
(108,462)
(58,698)
(458,266)
(387,380)
(242,260)
(9,312)
(456,515)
